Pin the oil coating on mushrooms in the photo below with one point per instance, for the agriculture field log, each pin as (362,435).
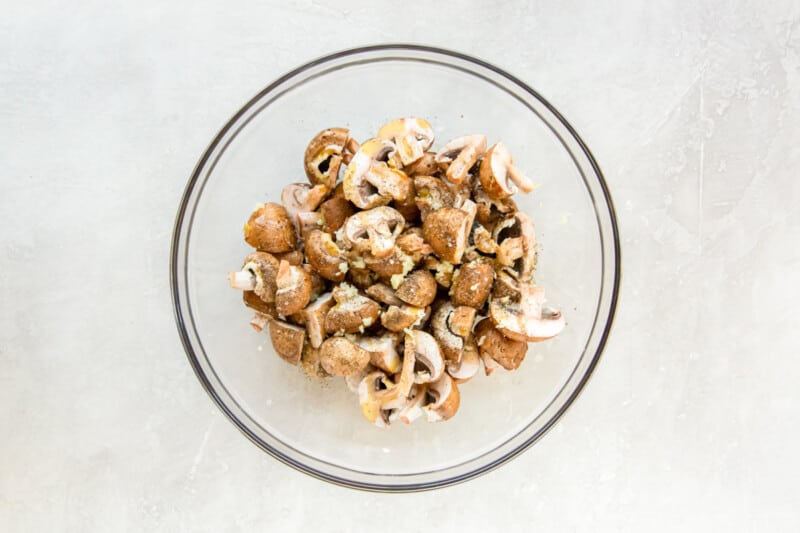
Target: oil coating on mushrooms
(405,276)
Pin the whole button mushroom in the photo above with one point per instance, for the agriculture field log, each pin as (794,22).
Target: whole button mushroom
(411,136)
(369,181)
(269,229)
(374,231)
(460,155)
(498,175)
(325,154)
(341,357)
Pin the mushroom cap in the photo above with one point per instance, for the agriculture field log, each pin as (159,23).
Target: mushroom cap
(269,229)
(472,284)
(374,230)
(252,300)
(429,364)
(334,212)
(264,268)
(498,175)
(446,398)
(447,230)
(384,294)
(324,256)
(399,318)
(411,136)
(323,156)
(315,314)
(342,357)
(460,155)
(523,317)
(508,353)
(287,340)
(352,313)
(294,288)
(418,289)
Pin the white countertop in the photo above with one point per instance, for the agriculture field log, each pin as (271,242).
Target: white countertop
(691,419)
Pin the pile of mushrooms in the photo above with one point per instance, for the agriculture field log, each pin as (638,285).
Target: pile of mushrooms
(403,276)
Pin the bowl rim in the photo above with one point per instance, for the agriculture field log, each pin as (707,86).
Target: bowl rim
(297,465)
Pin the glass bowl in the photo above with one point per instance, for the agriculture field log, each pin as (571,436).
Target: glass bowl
(316,427)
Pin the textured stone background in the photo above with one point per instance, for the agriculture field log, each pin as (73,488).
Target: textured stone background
(691,420)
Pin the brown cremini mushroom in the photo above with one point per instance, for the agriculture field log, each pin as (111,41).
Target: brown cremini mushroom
(382,352)
(342,357)
(472,284)
(325,257)
(417,289)
(258,274)
(431,193)
(352,313)
(374,231)
(523,316)
(464,370)
(460,155)
(269,229)
(384,294)
(489,209)
(424,166)
(451,326)
(301,201)
(412,243)
(369,181)
(325,154)
(294,289)
(498,175)
(412,409)
(515,236)
(334,212)
(402,317)
(287,340)
(315,314)
(311,363)
(411,136)
(429,364)
(258,305)
(508,353)
(443,399)
(447,230)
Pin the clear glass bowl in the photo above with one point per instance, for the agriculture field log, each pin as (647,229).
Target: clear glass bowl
(317,427)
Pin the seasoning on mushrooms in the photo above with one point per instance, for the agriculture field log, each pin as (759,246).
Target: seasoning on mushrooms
(269,229)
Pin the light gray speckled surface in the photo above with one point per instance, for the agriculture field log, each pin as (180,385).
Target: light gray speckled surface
(691,420)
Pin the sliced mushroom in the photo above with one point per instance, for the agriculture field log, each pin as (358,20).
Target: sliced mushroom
(451,326)
(472,285)
(412,410)
(287,340)
(315,315)
(443,399)
(352,313)
(431,193)
(523,317)
(311,363)
(369,181)
(258,275)
(482,239)
(460,155)
(429,364)
(301,200)
(361,277)
(325,154)
(417,289)
(442,270)
(411,136)
(408,206)
(413,244)
(516,239)
(424,166)
(374,230)
(342,357)
(254,302)
(334,212)
(499,177)
(382,352)
(491,209)
(294,289)
(354,380)
(507,352)
(396,263)
(260,321)
(295,257)
(402,317)
(469,365)
(384,294)
(325,257)
(378,395)
(269,229)
(447,230)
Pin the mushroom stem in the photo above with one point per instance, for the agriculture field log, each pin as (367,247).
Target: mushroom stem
(259,321)
(243,280)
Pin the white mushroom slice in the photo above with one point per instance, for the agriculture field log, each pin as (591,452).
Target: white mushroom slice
(498,175)
(429,364)
(374,230)
(369,181)
(445,399)
(411,136)
(524,318)
(412,410)
(300,198)
(469,365)
(460,155)
(382,352)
